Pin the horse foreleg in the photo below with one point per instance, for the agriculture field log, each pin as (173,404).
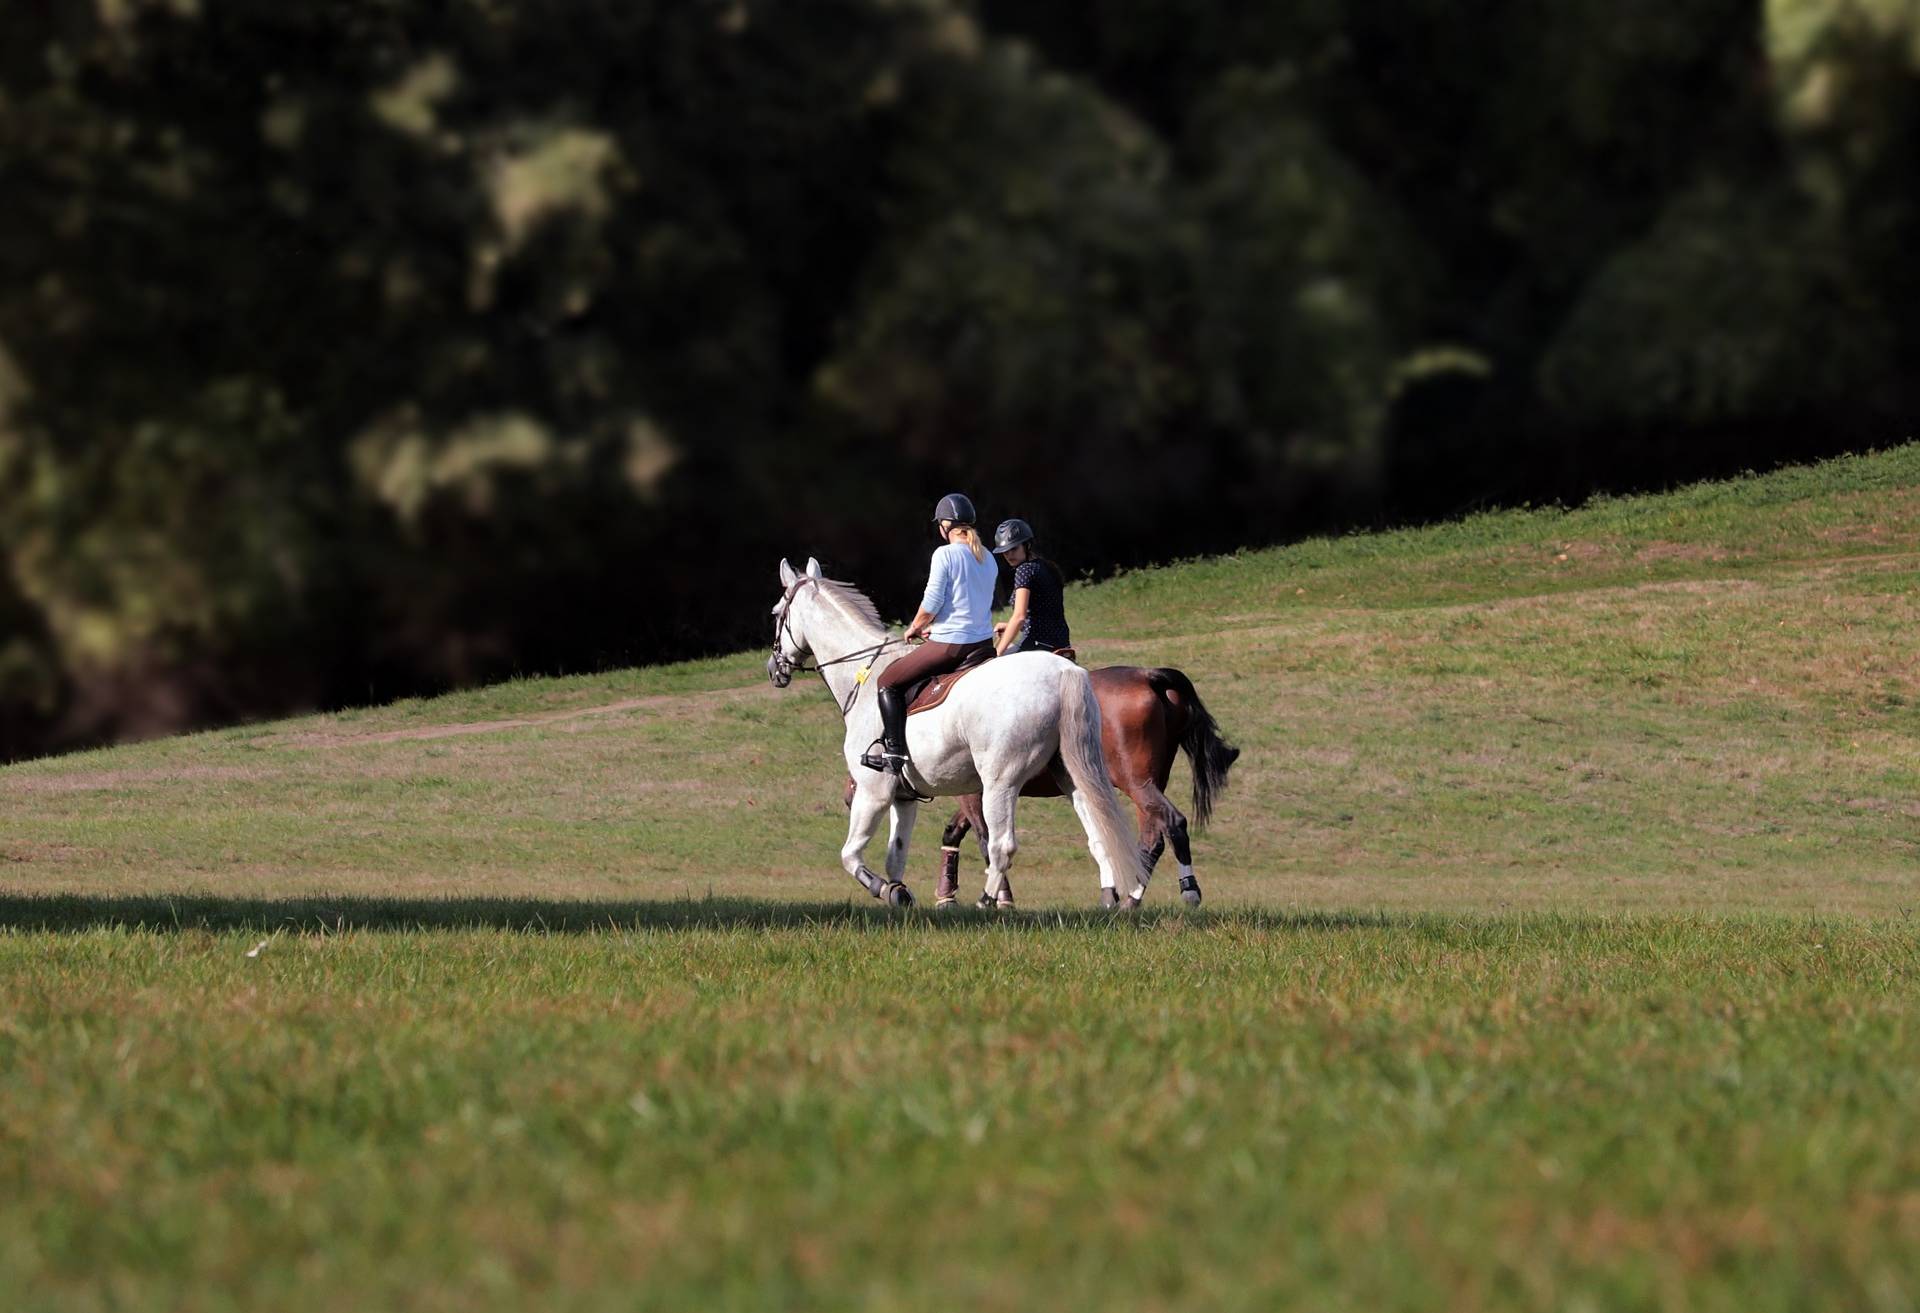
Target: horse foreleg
(899,835)
(967,818)
(862,820)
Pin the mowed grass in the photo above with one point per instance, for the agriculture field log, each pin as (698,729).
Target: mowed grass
(823,1109)
(1559,953)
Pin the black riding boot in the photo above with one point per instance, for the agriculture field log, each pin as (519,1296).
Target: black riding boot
(892,757)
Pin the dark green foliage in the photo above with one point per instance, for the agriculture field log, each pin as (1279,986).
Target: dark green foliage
(360,346)
(1311,284)
(1023,319)
(1727,310)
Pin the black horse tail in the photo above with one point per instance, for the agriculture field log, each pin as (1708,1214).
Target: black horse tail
(1210,755)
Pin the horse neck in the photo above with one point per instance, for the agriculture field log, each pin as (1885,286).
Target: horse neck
(832,634)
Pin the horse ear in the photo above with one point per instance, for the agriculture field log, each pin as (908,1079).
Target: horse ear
(787,576)
(813,567)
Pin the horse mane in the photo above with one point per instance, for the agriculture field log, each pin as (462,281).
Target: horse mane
(852,602)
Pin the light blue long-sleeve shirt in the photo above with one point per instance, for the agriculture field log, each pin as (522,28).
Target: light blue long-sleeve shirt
(959,595)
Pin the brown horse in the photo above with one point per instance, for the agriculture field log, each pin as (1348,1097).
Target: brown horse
(1145,717)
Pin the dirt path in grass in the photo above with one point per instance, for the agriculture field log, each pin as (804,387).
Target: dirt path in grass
(680,701)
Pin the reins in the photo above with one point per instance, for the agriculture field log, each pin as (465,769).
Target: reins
(866,654)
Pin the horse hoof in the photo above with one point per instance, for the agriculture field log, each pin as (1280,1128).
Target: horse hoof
(1191,897)
(1109,898)
(1129,903)
(984,902)
(898,895)
(944,900)
(1003,904)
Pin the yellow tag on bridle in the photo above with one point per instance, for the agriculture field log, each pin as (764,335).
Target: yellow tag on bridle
(861,677)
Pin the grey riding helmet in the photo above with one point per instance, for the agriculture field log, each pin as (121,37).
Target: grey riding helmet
(955,506)
(1010,535)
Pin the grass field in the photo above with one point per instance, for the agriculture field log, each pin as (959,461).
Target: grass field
(1559,953)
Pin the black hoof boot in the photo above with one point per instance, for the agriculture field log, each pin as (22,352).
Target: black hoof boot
(1109,898)
(1189,891)
(897,894)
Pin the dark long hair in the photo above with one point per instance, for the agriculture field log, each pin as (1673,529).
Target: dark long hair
(1033,554)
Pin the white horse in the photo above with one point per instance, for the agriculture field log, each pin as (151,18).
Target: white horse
(1001,726)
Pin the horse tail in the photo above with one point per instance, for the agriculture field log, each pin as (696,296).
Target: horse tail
(1210,755)
(1086,764)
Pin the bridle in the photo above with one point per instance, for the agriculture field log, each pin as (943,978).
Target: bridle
(781,669)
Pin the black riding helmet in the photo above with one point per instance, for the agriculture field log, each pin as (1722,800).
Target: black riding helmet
(955,506)
(1010,535)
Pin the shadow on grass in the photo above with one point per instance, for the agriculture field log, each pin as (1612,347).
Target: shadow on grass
(80,912)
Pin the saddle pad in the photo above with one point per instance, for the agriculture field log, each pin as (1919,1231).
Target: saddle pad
(935,690)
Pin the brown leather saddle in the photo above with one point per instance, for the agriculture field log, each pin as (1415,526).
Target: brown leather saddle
(930,693)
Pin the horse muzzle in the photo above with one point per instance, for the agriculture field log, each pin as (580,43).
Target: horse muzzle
(779,671)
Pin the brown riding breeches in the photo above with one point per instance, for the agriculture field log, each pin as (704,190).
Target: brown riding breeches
(928,660)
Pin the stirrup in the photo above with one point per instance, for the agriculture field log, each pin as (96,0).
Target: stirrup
(893,763)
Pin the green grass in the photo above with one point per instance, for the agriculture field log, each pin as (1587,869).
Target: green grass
(1560,953)
(730,1107)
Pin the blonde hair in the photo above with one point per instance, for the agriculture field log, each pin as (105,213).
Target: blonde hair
(972,537)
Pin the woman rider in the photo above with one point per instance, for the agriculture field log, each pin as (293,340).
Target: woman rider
(956,615)
(1039,619)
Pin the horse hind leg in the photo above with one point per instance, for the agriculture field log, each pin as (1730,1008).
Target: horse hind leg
(997,808)
(1109,895)
(1154,812)
(1183,854)
(1160,823)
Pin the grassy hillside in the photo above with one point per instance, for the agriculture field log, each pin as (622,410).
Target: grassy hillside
(1700,700)
(425,1007)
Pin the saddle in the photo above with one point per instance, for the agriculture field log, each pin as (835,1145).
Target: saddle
(930,693)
